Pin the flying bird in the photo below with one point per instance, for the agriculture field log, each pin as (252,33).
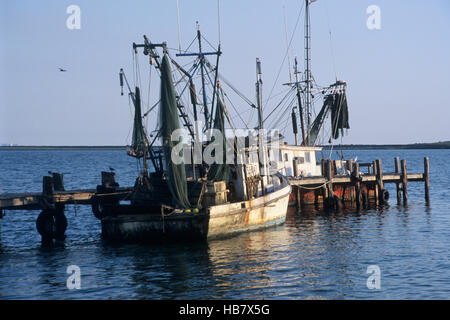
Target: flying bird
(62,70)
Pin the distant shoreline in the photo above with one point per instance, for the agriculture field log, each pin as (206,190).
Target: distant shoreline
(434,145)
(62,147)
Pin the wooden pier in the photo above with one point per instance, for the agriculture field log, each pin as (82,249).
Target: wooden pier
(53,193)
(51,223)
(356,187)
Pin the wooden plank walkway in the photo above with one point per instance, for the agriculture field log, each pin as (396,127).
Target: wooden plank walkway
(387,177)
(357,186)
(33,201)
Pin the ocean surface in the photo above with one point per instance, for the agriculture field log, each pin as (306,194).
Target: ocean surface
(314,255)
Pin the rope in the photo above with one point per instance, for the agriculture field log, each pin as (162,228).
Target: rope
(315,188)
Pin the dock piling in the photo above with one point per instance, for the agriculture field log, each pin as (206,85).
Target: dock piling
(58,181)
(47,186)
(383,193)
(397,184)
(426,178)
(376,187)
(357,186)
(404,178)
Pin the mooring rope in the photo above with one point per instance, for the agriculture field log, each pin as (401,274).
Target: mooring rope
(314,188)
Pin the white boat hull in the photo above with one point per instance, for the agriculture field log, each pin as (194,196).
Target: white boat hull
(213,222)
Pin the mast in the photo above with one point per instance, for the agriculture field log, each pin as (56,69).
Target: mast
(202,62)
(261,149)
(308,102)
(299,100)
(202,69)
(139,141)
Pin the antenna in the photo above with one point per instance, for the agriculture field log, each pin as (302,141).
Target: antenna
(218,18)
(287,44)
(179,30)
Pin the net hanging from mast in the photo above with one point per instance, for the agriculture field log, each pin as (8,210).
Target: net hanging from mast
(169,122)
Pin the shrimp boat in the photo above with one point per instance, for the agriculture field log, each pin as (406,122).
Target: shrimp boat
(298,161)
(176,195)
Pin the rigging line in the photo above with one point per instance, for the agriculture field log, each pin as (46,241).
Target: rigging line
(227,112)
(185,51)
(241,114)
(234,108)
(286,112)
(228,83)
(278,94)
(285,126)
(285,55)
(212,47)
(252,113)
(283,114)
(287,44)
(285,117)
(279,104)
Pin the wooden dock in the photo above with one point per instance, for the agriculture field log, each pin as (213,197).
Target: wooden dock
(53,194)
(51,223)
(34,200)
(356,187)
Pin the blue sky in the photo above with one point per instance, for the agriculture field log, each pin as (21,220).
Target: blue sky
(398,77)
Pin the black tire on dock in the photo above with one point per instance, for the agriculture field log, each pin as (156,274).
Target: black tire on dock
(60,226)
(385,195)
(45,225)
(96,208)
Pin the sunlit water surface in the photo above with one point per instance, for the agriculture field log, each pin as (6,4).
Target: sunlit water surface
(314,255)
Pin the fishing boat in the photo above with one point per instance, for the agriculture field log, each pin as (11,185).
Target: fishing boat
(191,199)
(299,160)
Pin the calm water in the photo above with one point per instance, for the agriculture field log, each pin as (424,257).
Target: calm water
(312,256)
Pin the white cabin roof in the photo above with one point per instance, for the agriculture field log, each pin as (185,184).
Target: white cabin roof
(299,148)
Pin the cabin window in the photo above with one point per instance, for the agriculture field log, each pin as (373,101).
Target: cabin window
(301,160)
(307,157)
(286,157)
